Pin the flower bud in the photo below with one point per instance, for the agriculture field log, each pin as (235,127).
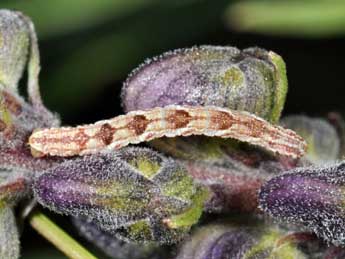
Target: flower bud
(311,196)
(239,241)
(253,80)
(14,46)
(233,171)
(234,183)
(322,138)
(136,194)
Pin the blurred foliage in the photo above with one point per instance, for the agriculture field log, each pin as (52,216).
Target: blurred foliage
(311,18)
(54,18)
(52,253)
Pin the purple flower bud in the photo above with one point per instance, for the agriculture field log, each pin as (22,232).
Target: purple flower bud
(311,196)
(231,189)
(232,171)
(137,194)
(253,80)
(216,241)
(239,240)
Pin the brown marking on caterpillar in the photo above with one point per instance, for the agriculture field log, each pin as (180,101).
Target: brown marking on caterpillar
(178,119)
(255,128)
(80,138)
(106,133)
(138,124)
(170,121)
(222,120)
(11,103)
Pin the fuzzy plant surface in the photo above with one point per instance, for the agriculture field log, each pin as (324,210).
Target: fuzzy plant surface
(243,237)
(136,194)
(164,201)
(311,196)
(252,79)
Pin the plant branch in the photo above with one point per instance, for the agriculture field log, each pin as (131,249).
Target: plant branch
(59,238)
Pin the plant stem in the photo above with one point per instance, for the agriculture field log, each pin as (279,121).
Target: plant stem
(59,238)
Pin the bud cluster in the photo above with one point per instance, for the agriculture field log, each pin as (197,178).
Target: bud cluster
(138,203)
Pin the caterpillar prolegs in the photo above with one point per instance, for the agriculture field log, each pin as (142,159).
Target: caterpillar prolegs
(170,121)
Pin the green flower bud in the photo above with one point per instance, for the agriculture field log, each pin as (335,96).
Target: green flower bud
(233,171)
(136,194)
(18,48)
(14,47)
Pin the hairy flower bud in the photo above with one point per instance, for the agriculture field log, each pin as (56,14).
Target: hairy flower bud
(233,188)
(239,241)
(253,80)
(18,118)
(114,247)
(311,196)
(322,138)
(233,171)
(14,46)
(136,194)
(9,237)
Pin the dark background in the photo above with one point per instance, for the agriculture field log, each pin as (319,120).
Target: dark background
(89,47)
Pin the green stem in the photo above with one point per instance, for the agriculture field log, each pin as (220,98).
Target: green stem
(59,238)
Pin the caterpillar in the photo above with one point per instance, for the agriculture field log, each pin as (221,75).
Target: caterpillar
(169,121)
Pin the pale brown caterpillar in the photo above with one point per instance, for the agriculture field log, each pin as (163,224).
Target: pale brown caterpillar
(170,121)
